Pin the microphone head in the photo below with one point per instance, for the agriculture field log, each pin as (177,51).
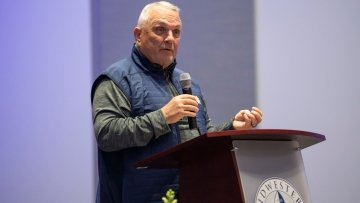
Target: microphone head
(185,80)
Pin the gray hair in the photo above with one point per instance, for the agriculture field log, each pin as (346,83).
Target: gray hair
(144,15)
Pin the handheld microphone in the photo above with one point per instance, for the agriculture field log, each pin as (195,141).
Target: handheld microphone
(185,81)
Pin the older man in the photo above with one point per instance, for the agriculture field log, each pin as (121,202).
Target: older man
(138,110)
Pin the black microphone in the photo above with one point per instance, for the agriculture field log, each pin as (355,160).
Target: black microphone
(185,81)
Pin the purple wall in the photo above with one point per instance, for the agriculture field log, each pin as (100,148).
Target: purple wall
(46,69)
(46,148)
(308,70)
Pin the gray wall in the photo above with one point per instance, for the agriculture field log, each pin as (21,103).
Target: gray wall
(217,47)
(307,76)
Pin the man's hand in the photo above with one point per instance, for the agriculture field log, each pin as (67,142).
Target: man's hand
(184,105)
(246,119)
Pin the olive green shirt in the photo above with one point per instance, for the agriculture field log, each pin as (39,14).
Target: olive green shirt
(115,129)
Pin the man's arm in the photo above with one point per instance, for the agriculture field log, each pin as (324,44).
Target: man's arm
(115,129)
(225,126)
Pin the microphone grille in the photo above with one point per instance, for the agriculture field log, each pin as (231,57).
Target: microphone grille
(185,80)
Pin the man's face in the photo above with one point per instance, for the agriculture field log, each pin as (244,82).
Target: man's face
(159,38)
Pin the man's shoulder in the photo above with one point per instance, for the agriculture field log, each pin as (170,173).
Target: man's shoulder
(115,72)
(124,66)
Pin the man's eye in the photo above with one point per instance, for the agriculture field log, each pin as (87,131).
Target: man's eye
(176,33)
(160,30)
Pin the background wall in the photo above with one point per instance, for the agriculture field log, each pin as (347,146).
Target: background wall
(307,75)
(307,69)
(46,148)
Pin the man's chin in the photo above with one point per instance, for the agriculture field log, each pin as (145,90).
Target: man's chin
(167,62)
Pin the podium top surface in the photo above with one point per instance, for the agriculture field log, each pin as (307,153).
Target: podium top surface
(171,157)
(304,138)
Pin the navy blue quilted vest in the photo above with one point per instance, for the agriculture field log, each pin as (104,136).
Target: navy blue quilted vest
(146,89)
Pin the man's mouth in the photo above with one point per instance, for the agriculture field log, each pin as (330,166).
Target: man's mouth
(167,49)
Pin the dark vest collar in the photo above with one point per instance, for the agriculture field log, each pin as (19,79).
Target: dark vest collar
(145,64)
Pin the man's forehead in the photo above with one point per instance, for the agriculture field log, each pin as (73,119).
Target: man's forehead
(164,16)
(167,22)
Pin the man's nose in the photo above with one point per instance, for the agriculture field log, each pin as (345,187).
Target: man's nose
(170,36)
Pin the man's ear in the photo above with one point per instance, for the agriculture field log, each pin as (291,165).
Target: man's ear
(137,34)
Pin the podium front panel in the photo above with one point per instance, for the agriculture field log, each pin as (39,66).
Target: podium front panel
(271,171)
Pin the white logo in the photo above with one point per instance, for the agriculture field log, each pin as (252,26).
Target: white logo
(277,190)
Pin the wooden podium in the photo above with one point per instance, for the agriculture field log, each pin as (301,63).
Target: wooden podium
(231,166)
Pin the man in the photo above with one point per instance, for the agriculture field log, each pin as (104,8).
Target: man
(138,110)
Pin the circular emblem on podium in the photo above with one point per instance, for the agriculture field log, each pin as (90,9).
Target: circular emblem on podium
(277,190)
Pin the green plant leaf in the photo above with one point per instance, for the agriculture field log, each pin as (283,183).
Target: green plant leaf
(169,197)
